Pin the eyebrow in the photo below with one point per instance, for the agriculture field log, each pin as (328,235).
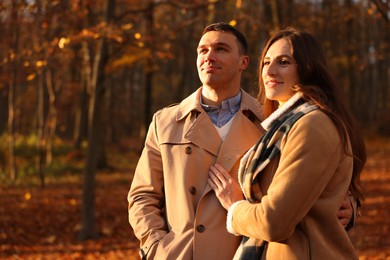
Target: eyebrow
(280,56)
(217,44)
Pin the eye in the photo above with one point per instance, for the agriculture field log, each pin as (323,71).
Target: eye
(221,49)
(202,51)
(265,63)
(284,62)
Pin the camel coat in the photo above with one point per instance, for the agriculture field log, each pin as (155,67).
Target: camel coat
(302,193)
(172,210)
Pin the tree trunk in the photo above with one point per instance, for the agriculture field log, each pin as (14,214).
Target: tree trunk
(275,15)
(39,160)
(51,119)
(149,70)
(81,126)
(88,229)
(11,94)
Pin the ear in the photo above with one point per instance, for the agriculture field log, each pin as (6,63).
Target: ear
(244,62)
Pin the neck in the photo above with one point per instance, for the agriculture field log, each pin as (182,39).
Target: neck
(215,96)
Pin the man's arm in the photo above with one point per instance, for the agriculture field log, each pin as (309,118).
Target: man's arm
(146,197)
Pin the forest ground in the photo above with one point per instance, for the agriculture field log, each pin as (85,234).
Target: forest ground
(40,223)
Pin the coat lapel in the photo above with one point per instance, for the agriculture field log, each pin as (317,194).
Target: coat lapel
(242,135)
(203,134)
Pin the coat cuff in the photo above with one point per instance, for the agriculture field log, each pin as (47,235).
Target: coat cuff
(355,203)
(229,219)
(145,248)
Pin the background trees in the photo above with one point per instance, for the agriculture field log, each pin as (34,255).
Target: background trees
(91,73)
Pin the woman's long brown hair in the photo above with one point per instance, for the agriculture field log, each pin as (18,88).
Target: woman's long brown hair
(318,86)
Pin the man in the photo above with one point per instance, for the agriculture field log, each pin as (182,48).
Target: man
(173,211)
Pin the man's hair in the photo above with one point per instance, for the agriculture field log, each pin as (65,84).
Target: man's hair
(225,27)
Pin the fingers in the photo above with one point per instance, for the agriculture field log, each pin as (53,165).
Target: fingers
(220,173)
(343,217)
(219,178)
(345,204)
(345,212)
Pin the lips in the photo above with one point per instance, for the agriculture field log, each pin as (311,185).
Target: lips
(272,83)
(210,69)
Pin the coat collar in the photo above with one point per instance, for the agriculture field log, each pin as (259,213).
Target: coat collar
(192,103)
(244,132)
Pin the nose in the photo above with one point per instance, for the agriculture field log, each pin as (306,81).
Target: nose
(270,69)
(210,56)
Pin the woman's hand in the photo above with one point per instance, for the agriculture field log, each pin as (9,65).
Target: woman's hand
(228,191)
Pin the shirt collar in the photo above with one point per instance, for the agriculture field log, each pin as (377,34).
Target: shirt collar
(231,104)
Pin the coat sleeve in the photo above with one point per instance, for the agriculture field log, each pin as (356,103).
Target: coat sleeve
(309,158)
(146,196)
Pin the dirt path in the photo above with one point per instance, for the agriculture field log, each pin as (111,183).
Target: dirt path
(42,224)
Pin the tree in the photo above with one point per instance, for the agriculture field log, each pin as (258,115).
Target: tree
(14,57)
(88,229)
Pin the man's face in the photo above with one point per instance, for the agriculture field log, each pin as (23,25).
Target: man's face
(219,61)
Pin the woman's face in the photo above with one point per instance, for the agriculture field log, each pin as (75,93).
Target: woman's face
(279,72)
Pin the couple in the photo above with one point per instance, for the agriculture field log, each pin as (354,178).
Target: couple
(216,181)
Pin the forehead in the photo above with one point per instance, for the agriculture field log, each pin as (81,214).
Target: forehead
(280,47)
(218,38)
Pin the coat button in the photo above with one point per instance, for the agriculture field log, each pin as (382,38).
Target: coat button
(188,150)
(200,228)
(192,190)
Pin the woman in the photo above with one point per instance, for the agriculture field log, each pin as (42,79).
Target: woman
(296,176)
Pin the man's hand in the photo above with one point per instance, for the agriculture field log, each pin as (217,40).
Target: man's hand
(345,212)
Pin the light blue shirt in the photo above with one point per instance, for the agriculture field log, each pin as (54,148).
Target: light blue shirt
(221,115)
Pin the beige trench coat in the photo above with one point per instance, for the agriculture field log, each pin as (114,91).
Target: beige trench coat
(172,210)
(302,193)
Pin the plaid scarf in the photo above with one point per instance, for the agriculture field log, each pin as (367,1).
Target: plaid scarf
(257,158)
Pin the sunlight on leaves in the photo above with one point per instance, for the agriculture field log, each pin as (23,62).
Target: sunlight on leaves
(51,239)
(77,227)
(63,42)
(12,55)
(127,26)
(107,231)
(238,4)
(233,22)
(27,196)
(41,63)
(137,36)
(31,76)
(134,55)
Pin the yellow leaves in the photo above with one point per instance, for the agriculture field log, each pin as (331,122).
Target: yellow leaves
(137,36)
(127,26)
(51,239)
(106,230)
(27,196)
(31,76)
(132,55)
(233,22)
(63,42)
(238,4)
(73,202)
(41,63)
